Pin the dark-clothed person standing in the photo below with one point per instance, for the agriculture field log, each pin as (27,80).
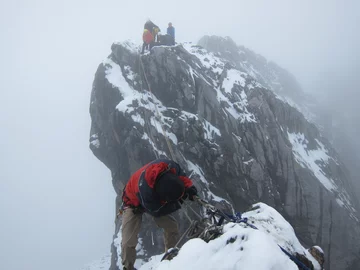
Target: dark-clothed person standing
(171,32)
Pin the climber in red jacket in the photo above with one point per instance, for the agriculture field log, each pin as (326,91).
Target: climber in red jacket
(148,39)
(157,189)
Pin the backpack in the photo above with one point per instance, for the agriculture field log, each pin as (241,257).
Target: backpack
(167,40)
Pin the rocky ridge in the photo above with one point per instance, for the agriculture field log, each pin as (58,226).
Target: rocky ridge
(238,138)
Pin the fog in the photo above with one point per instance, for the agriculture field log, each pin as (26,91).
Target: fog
(56,199)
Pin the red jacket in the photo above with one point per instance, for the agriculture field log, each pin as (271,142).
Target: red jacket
(146,178)
(147,36)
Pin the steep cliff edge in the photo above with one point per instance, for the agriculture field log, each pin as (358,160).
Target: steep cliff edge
(236,135)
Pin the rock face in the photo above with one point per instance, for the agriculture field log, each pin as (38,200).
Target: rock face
(235,134)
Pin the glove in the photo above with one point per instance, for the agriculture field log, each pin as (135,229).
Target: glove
(190,192)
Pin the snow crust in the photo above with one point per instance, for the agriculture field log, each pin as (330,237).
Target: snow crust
(217,254)
(267,219)
(241,247)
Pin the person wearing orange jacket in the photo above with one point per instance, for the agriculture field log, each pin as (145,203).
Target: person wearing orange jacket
(148,40)
(157,189)
(150,35)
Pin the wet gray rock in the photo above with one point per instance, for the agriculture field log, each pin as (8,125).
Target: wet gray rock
(234,141)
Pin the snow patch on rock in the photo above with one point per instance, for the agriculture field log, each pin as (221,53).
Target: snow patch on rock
(314,160)
(94,140)
(234,77)
(115,77)
(130,45)
(310,158)
(207,59)
(237,109)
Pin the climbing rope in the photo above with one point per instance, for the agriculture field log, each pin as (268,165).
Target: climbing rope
(197,229)
(157,112)
(294,259)
(147,129)
(210,228)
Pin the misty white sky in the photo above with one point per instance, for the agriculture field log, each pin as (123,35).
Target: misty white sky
(56,199)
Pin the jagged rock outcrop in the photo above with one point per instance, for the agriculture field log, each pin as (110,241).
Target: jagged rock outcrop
(331,117)
(239,141)
(268,73)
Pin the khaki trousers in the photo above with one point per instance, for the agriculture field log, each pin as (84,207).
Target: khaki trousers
(131,224)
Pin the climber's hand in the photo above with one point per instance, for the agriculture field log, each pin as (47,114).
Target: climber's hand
(190,192)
